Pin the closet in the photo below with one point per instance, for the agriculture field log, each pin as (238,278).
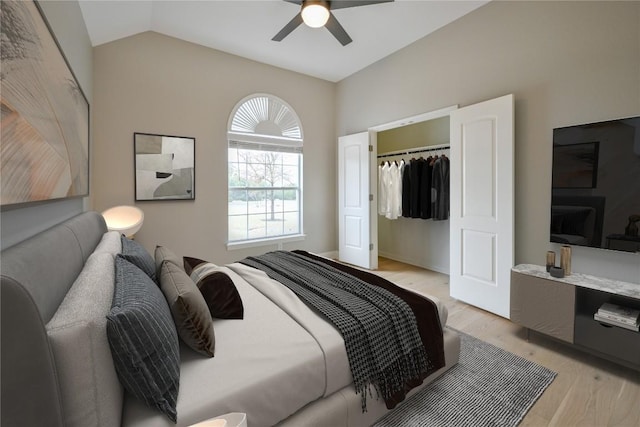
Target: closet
(479,234)
(414,237)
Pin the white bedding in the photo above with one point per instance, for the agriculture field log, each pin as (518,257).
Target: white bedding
(268,365)
(335,361)
(264,374)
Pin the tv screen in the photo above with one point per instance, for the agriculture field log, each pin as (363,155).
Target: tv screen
(575,165)
(595,194)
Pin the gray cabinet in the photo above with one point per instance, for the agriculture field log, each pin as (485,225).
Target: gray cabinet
(564,308)
(543,305)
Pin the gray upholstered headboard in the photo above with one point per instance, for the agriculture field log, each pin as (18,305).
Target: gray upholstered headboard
(36,275)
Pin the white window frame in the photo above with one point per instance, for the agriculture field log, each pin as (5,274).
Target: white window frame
(286,135)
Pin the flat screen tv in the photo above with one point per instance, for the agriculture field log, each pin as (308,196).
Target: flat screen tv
(595,194)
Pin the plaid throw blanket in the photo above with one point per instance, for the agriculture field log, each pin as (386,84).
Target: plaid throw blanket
(379,329)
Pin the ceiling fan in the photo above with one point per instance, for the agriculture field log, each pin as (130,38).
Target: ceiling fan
(317,13)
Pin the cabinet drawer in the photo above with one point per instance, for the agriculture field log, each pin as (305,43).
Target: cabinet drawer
(616,342)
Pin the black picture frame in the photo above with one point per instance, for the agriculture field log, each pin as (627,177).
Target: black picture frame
(164,167)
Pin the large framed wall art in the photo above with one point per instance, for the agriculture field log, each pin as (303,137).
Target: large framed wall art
(164,167)
(45,115)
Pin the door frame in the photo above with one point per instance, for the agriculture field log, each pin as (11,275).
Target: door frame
(373,169)
(373,166)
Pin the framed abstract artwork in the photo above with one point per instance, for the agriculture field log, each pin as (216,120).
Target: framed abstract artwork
(45,115)
(164,167)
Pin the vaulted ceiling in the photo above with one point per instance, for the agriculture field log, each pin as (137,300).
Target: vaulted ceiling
(246,27)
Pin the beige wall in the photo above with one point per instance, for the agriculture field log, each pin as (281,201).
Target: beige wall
(429,132)
(157,84)
(565,62)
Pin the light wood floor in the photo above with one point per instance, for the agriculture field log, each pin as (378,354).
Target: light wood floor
(588,391)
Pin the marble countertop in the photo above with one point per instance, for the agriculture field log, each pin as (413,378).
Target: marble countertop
(618,287)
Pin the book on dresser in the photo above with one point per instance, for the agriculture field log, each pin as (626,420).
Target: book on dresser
(617,315)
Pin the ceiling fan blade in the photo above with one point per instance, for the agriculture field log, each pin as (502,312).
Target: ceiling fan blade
(342,4)
(337,30)
(287,29)
(298,2)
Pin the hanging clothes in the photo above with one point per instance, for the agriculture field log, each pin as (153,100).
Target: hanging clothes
(425,189)
(383,185)
(406,190)
(390,189)
(394,190)
(440,189)
(415,189)
(416,174)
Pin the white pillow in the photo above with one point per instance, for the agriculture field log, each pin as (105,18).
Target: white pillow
(89,386)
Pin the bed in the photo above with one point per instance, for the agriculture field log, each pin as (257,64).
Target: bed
(281,364)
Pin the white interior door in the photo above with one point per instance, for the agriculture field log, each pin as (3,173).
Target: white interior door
(482,205)
(355,197)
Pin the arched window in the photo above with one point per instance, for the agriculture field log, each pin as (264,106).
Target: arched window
(265,171)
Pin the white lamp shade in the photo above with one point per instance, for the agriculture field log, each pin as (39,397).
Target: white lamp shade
(315,15)
(124,219)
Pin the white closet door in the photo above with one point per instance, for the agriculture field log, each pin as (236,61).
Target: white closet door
(356,208)
(482,205)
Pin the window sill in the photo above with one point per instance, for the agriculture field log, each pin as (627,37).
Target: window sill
(231,246)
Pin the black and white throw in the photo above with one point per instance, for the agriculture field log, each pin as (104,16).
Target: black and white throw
(379,329)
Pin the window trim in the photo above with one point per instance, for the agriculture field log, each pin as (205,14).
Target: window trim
(254,243)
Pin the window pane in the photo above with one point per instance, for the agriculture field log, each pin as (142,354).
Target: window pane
(237,202)
(233,155)
(255,174)
(274,175)
(275,203)
(291,223)
(290,176)
(234,175)
(290,198)
(275,225)
(273,157)
(257,226)
(237,227)
(237,174)
(290,159)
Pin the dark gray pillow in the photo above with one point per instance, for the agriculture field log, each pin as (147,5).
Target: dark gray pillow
(143,339)
(135,253)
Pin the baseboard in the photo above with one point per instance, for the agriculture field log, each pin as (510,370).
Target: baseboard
(412,262)
(330,254)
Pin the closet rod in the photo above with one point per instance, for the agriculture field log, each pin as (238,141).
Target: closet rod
(415,150)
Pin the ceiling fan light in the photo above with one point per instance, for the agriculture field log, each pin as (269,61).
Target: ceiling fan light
(315,15)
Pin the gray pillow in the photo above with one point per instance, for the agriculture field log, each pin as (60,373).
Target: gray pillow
(78,339)
(136,254)
(110,243)
(189,309)
(143,339)
(162,254)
